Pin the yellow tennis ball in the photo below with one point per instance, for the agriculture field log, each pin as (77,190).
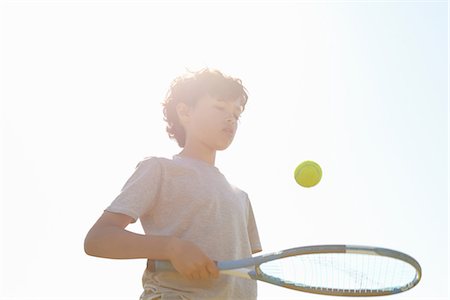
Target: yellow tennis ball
(308,173)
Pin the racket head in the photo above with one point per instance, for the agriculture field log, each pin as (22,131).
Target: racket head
(340,270)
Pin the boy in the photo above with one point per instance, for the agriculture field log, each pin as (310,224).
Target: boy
(190,214)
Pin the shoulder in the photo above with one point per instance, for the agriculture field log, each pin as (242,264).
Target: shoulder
(241,193)
(149,165)
(164,166)
(152,162)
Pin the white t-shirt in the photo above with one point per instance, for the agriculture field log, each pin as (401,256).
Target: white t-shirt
(192,200)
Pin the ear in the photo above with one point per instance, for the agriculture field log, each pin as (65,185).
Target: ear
(183,112)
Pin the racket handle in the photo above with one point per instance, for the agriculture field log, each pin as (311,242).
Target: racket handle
(224,267)
(166,266)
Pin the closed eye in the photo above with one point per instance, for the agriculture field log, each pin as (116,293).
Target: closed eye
(236,115)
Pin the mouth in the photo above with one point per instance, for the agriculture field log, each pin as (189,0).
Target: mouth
(229,131)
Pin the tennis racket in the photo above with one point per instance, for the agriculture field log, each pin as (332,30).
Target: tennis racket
(338,270)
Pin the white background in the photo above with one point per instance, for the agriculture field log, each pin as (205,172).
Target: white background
(361,87)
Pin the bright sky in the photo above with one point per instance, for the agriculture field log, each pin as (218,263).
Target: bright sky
(361,87)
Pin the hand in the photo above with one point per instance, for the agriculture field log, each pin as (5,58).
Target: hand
(190,261)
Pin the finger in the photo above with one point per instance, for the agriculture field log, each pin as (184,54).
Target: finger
(212,269)
(186,275)
(204,274)
(195,276)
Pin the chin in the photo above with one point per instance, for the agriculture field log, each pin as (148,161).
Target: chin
(223,146)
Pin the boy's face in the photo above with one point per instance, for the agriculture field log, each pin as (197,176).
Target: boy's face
(211,122)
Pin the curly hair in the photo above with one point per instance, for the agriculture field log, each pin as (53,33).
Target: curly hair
(192,86)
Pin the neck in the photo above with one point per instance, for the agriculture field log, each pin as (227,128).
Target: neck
(206,155)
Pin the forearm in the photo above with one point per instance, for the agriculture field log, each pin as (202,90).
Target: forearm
(115,242)
(108,238)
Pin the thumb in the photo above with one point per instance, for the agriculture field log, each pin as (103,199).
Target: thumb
(212,268)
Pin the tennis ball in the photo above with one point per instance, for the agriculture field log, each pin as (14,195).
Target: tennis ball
(308,174)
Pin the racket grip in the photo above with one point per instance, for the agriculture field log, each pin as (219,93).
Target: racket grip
(166,266)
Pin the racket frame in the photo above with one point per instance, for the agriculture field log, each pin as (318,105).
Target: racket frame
(258,274)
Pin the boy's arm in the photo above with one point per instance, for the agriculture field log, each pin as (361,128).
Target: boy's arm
(108,238)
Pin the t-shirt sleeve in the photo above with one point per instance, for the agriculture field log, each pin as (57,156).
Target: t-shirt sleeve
(140,191)
(252,230)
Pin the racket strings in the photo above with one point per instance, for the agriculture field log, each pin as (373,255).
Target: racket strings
(341,271)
